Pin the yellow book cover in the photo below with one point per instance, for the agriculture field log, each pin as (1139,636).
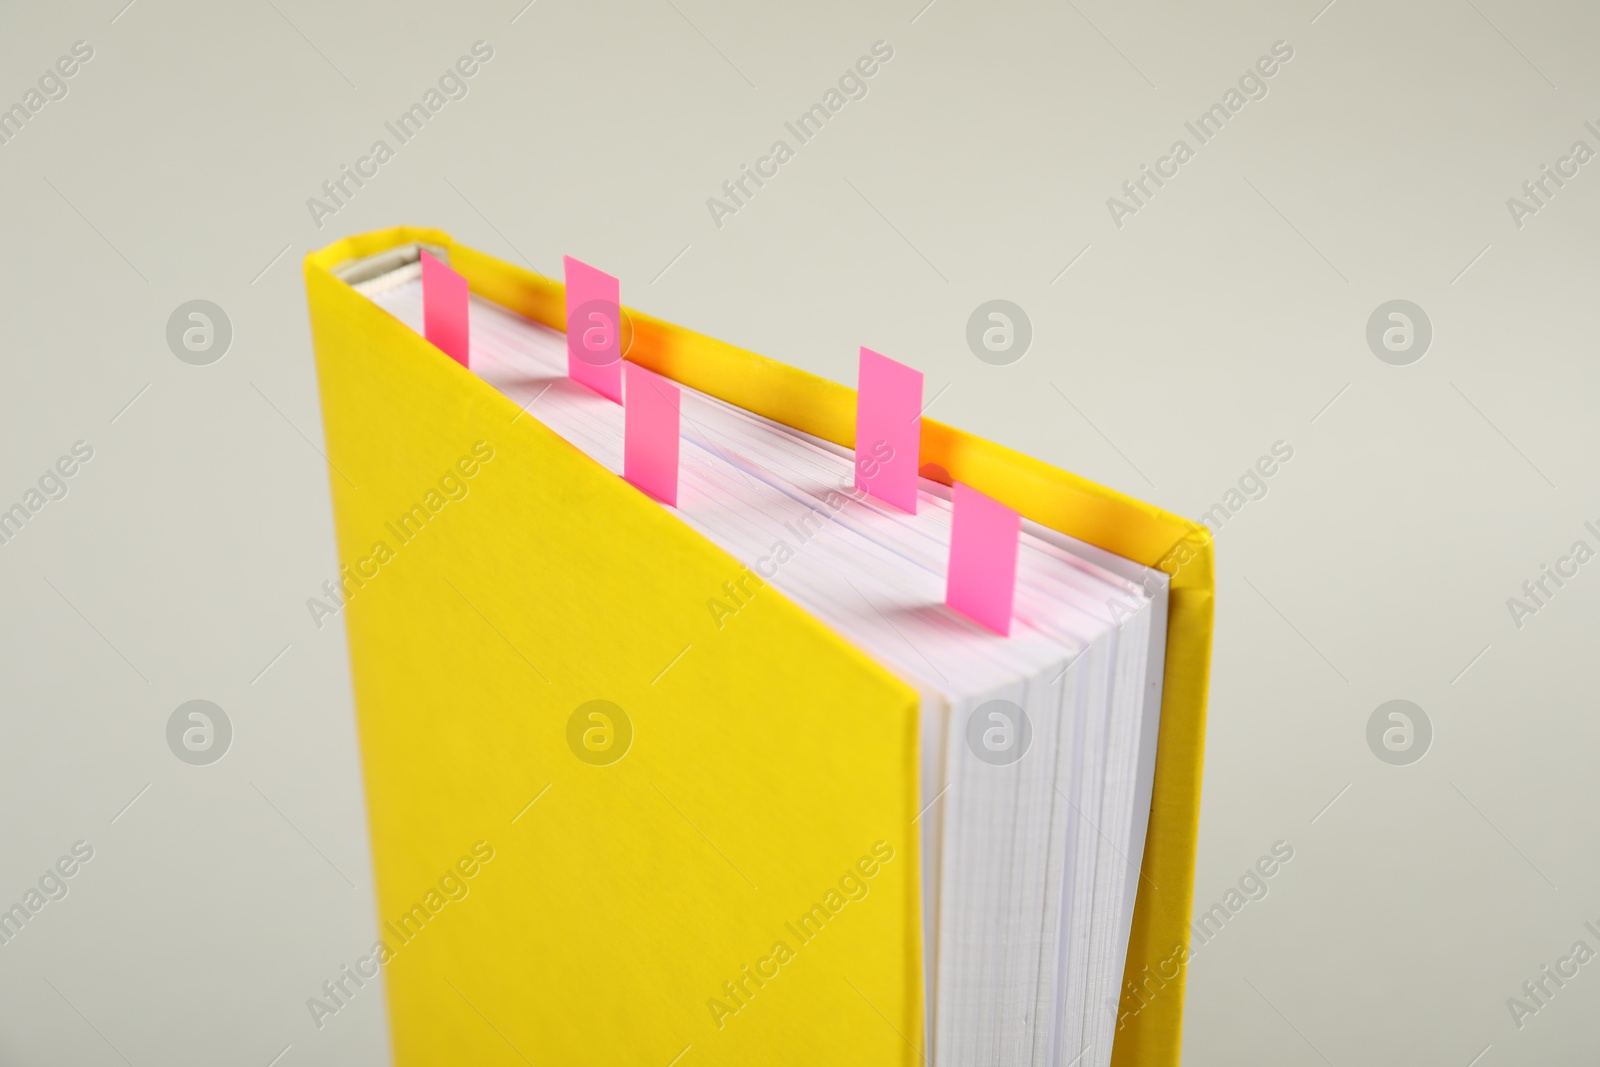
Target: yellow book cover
(743,887)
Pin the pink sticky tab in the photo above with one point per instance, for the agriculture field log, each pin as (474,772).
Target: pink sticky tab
(444,308)
(982,581)
(594,329)
(888,429)
(650,434)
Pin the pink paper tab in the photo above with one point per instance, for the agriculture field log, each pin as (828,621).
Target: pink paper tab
(444,308)
(594,329)
(982,579)
(888,429)
(650,434)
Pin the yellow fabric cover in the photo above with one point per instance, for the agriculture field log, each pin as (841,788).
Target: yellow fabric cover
(621,917)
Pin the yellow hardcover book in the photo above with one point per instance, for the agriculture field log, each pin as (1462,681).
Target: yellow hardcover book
(608,827)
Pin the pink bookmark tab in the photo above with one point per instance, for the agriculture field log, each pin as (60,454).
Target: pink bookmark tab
(444,308)
(650,434)
(888,429)
(594,329)
(982,580)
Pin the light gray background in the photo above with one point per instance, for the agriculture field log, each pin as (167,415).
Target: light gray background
(1226,315)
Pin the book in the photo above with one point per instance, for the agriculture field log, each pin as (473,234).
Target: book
(751,791)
